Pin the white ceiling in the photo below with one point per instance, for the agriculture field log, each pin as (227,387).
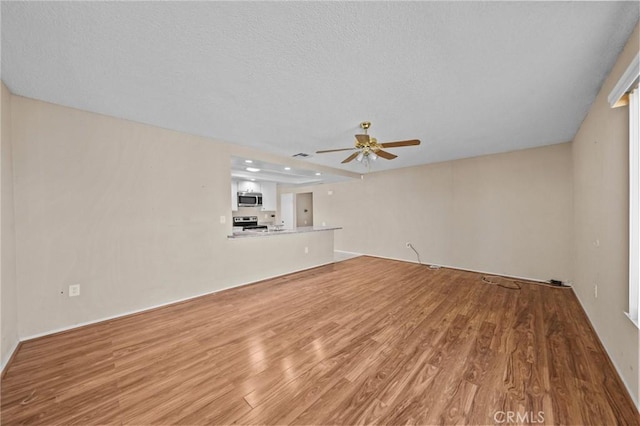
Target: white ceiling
(288,77)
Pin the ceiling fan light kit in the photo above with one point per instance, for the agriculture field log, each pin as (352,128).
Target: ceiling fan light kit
(369,149)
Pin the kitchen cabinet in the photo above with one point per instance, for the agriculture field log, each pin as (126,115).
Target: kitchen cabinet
(268,190)
(234,196)
(269,196)
(248,186)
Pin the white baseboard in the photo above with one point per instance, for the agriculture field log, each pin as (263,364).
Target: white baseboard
(618,369)
(340,255)
(458,268)
(350,253)
(149,308)
(12,352)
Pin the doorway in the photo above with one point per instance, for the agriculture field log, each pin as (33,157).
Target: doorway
(304,209)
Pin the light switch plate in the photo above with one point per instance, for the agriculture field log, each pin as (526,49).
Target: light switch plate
(223,219)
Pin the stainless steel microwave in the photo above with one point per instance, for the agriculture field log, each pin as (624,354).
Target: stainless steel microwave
(249,199)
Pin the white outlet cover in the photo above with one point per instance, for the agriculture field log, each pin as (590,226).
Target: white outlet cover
(74,290)
(330,192)
(306,250)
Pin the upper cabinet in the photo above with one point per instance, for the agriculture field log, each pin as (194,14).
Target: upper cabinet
(269,196)
(248,186)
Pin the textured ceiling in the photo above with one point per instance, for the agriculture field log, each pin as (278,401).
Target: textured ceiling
(465,78)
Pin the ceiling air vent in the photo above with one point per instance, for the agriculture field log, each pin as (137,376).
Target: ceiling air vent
(301,155)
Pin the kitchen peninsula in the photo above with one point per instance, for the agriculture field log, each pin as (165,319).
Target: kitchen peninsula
(272,232)
(260,254)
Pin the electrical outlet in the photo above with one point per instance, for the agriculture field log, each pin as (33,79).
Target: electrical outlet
(74,290)
(306,250)
(595,291)
(324,223)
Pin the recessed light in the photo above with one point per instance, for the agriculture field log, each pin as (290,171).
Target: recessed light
(253,180)
(287,168)
(248,161)
(318,174)
(252,169)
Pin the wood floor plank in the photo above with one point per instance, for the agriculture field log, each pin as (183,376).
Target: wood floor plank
(363,341)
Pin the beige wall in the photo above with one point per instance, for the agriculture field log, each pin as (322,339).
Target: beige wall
(132,214)
(507,213)
(8,290)
(601,200)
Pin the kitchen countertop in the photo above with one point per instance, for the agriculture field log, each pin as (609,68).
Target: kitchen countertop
(270,232)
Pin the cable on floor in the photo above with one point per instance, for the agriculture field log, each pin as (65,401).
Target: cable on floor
(515,284)
(504,282)
(496,280)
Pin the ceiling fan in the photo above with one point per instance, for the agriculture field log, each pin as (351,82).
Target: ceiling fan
(368,148)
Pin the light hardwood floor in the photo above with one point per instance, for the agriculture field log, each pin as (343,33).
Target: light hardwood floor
(366,340)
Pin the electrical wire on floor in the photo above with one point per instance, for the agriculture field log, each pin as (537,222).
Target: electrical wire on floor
(515,284)
(495,280)
(504,282)
(418,255)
